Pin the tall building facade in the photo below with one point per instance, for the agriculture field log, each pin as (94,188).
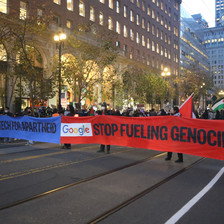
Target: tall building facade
(219,13)
(147,30)
(214,43)
(193,54)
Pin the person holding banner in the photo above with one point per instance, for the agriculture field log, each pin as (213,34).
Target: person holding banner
(70,111)
(175,111)
(104,112)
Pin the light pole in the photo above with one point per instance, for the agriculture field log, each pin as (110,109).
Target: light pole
(59,39)
(165,73)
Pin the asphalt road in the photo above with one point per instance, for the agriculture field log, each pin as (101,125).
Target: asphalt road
(43,183)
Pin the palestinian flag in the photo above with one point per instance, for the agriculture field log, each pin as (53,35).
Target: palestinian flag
(186,109)
(218,105)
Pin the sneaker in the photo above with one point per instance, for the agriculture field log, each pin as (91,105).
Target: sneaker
(100,150)
(108,152)
(167,158)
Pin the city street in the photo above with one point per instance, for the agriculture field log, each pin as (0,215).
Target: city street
(44,184)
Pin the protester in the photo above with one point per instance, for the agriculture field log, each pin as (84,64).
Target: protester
(70,111)
(8,113)
(104,112)
(175,111)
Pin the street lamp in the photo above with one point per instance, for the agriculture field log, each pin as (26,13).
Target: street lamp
(165,72)
(59,39)
(221,92)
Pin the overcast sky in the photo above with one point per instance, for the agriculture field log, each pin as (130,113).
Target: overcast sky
(205,7)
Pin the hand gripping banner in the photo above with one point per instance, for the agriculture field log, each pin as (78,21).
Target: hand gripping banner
(163,133)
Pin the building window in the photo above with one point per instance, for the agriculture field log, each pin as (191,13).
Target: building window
(158,17)
(125,11)
(161,51)
(70,5)
(153,29)
(148,60)
(81,8)
(143,41)
(57,2)
(153,14)
(125,31)
(166,52)
(68,24)
(157,48)
(3,6)
(118,28)
(92,14)
(161,35)
(110,23)
(117,6)
(101,18)
(131,16)
(56,19)
(138,3)
(161,5)
(132,34)
(169,40)
(143,6)
(153,46)
(162,20)
(143,23)
(148,27)
(148,11)
(137,19)
(111,4)
(131,53)
(157,32)
(148,43)
(137,38)
(125,48)
(23,10)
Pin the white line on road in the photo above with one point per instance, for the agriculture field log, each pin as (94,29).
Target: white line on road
(195,199)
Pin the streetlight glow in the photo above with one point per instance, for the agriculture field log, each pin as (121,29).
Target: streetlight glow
(221,92)
(62,36)
(56,38)
(165,72)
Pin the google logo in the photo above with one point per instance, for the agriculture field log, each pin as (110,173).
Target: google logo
(76,130)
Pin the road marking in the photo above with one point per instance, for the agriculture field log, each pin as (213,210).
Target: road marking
(41,156)
(54,166)
(195,199)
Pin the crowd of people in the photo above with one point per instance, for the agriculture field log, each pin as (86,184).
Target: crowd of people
(129,112)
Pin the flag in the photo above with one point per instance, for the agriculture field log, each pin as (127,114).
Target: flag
(186,109)
(91,112)
(218,105)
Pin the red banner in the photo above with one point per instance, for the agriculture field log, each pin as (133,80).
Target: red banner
(163,133)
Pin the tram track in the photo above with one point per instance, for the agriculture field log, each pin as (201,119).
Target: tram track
(141,194)
(44,194)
